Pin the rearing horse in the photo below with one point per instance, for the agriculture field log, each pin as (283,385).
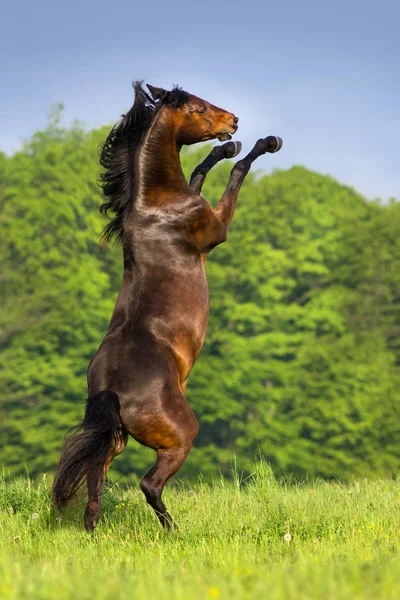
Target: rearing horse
(138,376)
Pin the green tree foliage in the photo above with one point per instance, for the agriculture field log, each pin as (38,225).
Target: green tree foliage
(301,362)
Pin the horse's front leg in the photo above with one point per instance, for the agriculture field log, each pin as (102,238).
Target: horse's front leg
(228,150)
(226,206)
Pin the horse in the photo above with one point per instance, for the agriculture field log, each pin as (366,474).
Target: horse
(137,378)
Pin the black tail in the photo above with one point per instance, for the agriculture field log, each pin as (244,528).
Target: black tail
(88,445)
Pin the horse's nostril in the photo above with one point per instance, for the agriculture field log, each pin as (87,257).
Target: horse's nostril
(236,120)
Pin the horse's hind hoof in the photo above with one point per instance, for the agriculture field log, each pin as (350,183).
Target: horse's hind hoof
(92,513)
(90,525)
(274,143)
(232,149)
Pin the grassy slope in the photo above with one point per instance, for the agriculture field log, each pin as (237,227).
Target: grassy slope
(345,543)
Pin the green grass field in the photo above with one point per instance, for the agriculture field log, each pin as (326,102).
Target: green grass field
(257,539)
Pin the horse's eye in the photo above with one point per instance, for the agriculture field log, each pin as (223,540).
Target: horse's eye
(202,110)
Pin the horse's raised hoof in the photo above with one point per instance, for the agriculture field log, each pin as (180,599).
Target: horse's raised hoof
(274,143)
(232,149)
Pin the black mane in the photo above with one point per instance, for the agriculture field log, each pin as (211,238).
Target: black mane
(117,156)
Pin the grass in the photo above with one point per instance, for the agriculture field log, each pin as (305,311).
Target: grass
(258,540)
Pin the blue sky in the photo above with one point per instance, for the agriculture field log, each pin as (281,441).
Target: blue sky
(322,75)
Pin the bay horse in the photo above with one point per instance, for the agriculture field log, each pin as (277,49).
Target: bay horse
(138,376)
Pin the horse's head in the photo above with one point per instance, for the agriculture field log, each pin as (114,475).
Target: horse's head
(196,120)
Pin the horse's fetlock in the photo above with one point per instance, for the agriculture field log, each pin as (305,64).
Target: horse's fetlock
(218,152)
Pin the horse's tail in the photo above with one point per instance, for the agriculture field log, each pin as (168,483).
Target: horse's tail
(88,445)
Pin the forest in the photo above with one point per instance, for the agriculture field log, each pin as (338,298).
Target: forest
(301,363)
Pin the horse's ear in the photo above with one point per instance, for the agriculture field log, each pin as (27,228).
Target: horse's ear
(156,92)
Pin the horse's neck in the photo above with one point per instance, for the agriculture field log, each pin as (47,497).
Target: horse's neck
(160,168)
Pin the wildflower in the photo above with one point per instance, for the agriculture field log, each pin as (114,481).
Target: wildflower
(287,538)
(214,592)
(35,516)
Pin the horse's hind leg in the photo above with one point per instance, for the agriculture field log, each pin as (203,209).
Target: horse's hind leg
(169,460)
(228,150)
(152,485)
(95,484)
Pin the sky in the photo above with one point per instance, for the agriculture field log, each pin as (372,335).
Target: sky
(322,75)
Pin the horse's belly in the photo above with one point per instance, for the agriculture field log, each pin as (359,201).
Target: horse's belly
(171,316)
(183,334)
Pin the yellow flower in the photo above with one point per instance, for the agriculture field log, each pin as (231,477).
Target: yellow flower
(214,592)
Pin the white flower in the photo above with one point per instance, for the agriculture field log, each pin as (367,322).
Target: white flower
(287,538)
(35,516)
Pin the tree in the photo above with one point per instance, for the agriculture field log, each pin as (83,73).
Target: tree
(301,361)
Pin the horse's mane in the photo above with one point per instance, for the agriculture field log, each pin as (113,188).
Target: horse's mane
(117,155)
